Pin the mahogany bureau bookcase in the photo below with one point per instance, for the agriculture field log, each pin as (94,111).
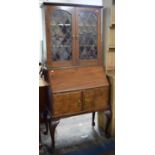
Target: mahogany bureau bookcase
(73,57)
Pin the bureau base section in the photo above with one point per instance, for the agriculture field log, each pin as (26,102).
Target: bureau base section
(79,102)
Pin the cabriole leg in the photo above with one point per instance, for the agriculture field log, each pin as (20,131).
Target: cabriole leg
(108,115)
(52,127)
(93,119)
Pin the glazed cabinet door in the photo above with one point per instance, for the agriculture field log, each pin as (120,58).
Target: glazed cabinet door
(88,36)
(60,30)
(66,103)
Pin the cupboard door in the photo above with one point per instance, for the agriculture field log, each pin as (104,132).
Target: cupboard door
(101,98)
(95,99)
(66,103)
(88,35)
(60,28)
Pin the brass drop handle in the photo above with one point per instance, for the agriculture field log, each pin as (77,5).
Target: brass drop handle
(73,36)
(76,37)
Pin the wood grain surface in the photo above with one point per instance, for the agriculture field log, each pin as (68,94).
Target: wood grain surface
(71,79)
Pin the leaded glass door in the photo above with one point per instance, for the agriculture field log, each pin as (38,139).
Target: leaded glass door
(88,37)
(60,31)
(73,36)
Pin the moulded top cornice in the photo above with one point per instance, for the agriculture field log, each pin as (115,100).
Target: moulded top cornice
(73,2)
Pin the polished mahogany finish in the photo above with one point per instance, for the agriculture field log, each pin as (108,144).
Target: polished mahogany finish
(71,79)
(81,90)
(72,38)
(76,77)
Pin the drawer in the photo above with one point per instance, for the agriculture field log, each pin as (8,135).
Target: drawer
(66,103)
(95,99)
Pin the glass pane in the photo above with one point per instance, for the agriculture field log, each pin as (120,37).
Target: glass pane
(61,35)
(88,35)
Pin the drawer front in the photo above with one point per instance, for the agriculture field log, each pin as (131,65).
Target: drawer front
(66,103)
(95,99)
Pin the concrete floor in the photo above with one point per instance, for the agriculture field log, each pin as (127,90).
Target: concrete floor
(73,133)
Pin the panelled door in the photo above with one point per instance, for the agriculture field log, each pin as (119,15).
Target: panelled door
(66,104)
